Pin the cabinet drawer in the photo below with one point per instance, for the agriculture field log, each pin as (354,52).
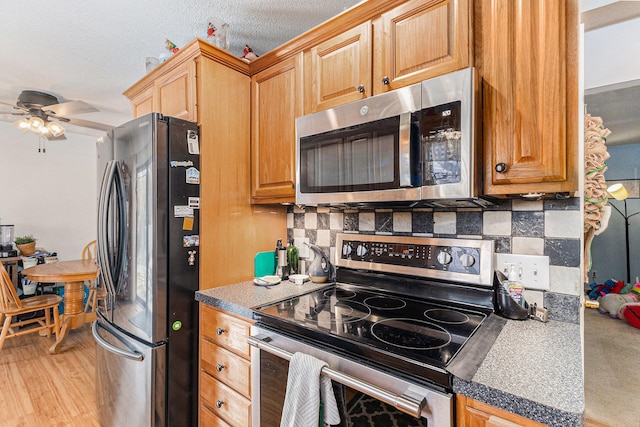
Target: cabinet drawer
(209,419)
(226,367)
(226,331)
(224,401)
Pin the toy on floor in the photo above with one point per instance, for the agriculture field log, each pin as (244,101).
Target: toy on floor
(608,287)
(611,303)
(631,313)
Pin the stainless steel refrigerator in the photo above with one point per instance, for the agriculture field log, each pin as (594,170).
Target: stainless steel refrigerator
(148,253)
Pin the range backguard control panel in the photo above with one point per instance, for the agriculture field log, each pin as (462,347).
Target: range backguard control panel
(458,259)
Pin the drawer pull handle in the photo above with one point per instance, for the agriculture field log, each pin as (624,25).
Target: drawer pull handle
(220,331)
(501,167)
(219,403)
(385,80)
(361,88)
(219,367)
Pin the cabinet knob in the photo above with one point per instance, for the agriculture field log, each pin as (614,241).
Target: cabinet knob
(361,88)
(501,167)
(219,367)
(219,403)
(220,331)
(385,80)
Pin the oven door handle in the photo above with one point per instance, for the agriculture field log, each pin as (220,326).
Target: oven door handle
(408,405)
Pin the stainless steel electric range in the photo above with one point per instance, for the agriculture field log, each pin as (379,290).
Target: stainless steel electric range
(405,315)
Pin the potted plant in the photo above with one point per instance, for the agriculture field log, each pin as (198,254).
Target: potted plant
(26,244)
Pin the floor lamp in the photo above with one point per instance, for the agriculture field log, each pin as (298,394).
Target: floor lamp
(619,192)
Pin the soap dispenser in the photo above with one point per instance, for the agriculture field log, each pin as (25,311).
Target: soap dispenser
(514,287)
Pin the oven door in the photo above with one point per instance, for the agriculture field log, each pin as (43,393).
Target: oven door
(368,394)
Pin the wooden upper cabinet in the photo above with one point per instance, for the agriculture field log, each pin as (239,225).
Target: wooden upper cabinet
(338,70)
(526,56)
(143,102)
(419,40)
(176,92)
(414,41)
(172,94)
(276,96)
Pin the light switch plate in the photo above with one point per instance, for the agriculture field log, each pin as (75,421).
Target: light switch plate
(532,270)
(303,250)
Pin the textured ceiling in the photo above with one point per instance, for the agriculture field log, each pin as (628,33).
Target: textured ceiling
(93,50)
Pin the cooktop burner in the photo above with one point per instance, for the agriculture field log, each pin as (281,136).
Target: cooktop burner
(415,329)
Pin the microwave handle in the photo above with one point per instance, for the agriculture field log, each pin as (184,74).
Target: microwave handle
(404,150)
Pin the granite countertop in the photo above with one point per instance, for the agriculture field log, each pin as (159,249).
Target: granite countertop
(243,297)
(533,369)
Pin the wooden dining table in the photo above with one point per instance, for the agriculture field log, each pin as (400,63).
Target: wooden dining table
(73,274)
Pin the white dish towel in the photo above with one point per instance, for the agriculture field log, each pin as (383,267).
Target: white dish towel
(305,386)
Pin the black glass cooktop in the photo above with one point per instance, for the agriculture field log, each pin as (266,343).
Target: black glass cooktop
(416,336)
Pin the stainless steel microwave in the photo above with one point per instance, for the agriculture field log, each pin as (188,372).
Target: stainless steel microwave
(414,144)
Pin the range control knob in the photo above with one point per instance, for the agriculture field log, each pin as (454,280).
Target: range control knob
(444,258)
(361,250)
(467,260)
(347,249)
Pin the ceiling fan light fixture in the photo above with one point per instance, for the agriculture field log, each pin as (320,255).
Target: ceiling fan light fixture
(36,124)
(56,129)
(22,124)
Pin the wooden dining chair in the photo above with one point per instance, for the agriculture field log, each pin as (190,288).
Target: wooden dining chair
(11,306)
(97,294)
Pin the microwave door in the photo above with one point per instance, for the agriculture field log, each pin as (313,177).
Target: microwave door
(364,163)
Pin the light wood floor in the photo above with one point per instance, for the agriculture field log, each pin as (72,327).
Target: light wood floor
(42,389)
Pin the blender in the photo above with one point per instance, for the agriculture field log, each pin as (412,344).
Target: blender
(6,242)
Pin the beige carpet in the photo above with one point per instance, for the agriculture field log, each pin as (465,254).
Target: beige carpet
(612,371)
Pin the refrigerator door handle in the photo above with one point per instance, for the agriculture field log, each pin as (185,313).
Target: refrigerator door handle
(112,267)
(121,224)
(103,256)
(132,354)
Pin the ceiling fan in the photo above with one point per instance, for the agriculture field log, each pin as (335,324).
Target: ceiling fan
(43,114)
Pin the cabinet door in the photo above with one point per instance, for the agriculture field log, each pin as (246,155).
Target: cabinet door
(143,103)
(175,92)
(338,70)
(277,101)
(526,55)
(472,413)
(419,40)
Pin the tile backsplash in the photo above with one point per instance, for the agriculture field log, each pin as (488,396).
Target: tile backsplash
(546,227)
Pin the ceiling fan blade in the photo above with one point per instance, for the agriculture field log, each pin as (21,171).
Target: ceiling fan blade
(15,113)
(15,108)
(88,124)
(69,108)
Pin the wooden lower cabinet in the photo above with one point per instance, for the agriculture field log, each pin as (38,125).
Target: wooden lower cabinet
(209,419)
(223,401)
(472,413)
(225,369)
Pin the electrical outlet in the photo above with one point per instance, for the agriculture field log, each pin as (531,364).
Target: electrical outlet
(532,270)
(303,249)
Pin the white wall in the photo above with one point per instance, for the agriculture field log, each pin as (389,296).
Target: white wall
(50,195)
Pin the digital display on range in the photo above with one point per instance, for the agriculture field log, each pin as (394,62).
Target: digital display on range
(401,250)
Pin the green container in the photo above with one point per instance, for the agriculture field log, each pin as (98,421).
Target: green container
(264,264)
